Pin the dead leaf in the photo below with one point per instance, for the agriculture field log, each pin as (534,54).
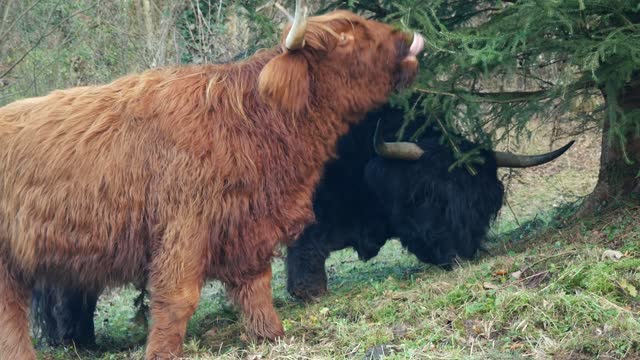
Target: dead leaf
(606,329)
(473,327)
(628,288)
(211,333)
(324,311)
(399,331)
(395,295)
(516,275)
(614,255)
(489,286)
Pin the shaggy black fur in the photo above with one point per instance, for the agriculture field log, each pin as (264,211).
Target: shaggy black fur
(64,316)
(364,200)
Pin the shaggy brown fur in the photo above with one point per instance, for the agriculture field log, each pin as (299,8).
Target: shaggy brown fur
(182,174)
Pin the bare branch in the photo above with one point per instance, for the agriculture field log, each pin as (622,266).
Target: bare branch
(4,32)
(42,37)
(5,16)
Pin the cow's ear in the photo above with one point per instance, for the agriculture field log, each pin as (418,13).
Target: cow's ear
(284,81)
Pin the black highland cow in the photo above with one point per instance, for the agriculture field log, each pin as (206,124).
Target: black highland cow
(407,191)
(367,196)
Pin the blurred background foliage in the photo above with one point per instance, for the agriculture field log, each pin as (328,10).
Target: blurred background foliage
(49,44)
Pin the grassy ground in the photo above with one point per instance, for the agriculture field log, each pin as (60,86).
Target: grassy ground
(548,288)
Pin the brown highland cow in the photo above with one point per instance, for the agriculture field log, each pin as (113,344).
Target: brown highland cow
(183,174)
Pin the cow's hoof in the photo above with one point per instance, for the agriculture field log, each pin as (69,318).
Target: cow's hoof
(307,294)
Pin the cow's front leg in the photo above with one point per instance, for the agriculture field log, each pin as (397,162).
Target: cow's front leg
(15,342)
(306,274)
(175,281)
(255,300)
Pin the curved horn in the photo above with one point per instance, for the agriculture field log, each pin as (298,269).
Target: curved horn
(395,150)
(295,37)
(510,160)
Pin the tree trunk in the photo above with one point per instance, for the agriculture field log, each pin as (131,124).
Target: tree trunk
(617,179)
(5,16)
(4,31)
(148,25)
